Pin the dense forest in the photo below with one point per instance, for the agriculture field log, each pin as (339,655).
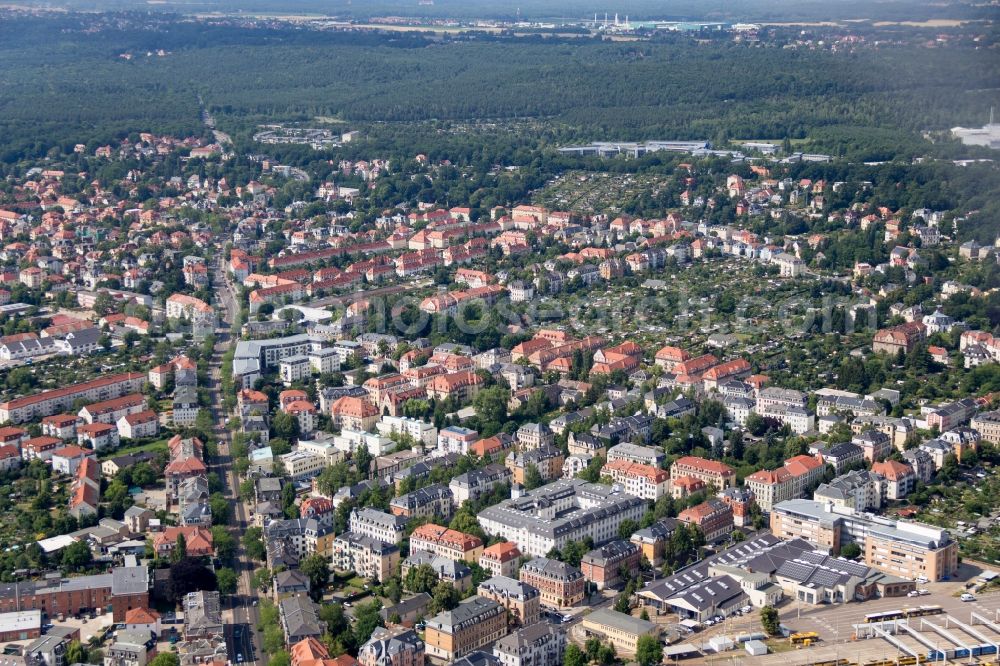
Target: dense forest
(872,103)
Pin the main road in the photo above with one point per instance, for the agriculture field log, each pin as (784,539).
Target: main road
(243,636)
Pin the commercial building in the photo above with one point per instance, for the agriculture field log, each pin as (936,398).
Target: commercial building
(20,625)
(123,589)
(565,510)
(469,626)
(560,585)
(904,549)
(621,630)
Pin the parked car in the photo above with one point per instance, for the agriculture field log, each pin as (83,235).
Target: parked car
(967,597)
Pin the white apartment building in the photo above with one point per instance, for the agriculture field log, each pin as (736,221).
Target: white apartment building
(378,525)
(302,464)
(419,431)
(294,368)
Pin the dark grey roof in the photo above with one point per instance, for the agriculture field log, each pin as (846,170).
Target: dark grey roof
(129,580)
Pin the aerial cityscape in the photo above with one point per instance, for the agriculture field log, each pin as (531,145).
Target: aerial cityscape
(427,332)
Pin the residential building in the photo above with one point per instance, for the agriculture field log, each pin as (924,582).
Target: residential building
(787,482)
(716,474)
(540,644)
(521,600)
(604,566)
(53,401)
(426,502)
(903,337)
(448,543)
(547,460)
(452,572)
(477,483)
(368,557)
(397,646)
(501,559)
(713,517)
(560,585)
(643,481)
(857,489)
(472,624)
(652,541)
(898,479)
(455,439)
(556,513)
(299,619)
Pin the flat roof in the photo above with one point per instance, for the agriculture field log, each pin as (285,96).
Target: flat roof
(20,621)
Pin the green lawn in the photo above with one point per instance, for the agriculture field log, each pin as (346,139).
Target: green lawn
(151,447)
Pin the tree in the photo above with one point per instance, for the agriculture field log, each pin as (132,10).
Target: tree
(253,542)
(165,659)
(607,655)
(532,477)
(76,653)
(593,648)
(220,507)
(180,549)
(281,657)
(366,618)
(574,656)
(627,528)
(769,620)
(274,639)
(648,651)
(393,589)
(317,568)
(421,578)
(189,575)
(226,580)
(491,407)
(223,542)
(622,604)
(77,556)
(261,579)
(444,598)
(285,426)
(850,550)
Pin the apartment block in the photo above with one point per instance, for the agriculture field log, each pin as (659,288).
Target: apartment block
(560,584)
